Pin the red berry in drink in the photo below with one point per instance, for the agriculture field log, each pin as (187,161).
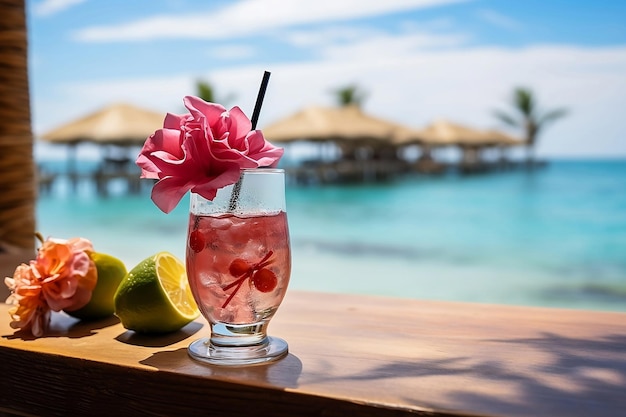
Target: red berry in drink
(196,241)
(264,280)
(239,267)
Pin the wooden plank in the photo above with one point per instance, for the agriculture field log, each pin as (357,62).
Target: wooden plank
(348,354)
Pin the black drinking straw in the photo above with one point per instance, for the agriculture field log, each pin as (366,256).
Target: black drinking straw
(232,205)
(259,99)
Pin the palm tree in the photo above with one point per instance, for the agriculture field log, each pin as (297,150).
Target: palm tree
(350,95)
(17,168)
(206,92)
(528,117)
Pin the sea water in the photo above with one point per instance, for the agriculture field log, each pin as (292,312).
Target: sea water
(552,237)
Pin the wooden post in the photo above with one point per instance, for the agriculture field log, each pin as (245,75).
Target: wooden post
(17,169)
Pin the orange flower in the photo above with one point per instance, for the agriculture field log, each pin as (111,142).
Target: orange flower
(62,276)
(31,311)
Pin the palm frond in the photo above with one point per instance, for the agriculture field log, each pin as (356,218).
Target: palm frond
(552,115)
(524,101)
(350,95)
(506,118)
(205,91)
(524,105)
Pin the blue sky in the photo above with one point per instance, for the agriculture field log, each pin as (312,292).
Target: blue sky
(418,60)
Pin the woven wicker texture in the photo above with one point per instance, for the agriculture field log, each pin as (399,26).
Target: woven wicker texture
(17,173)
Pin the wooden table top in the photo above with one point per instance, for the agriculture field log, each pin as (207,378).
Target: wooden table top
(348,354)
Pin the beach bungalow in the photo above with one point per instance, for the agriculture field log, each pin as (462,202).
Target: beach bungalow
(118,130)
(365,149)
(444,133)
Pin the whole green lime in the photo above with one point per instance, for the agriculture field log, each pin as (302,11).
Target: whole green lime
(111,271)
(155,297)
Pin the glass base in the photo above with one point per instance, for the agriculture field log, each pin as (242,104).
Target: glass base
(272,349)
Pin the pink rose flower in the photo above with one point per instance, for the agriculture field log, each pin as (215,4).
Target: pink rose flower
(62,276)
(202,151)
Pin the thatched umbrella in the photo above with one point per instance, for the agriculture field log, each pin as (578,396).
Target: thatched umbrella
(443,132)
(366,142)
(17,173)
(504,139)
(347,126)
(118,124)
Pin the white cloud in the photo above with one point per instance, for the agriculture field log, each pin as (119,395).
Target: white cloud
(328,35)
(244,18)
(435,25)
(384,46)
(500,20)
(412,87)
(79,98)
(232,52)
(50,7)
(342,42)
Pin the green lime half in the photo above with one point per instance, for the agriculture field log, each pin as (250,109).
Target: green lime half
(155,297)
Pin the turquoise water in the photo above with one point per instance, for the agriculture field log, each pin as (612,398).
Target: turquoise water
(554,237)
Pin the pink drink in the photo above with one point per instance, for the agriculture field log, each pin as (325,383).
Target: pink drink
(238,267)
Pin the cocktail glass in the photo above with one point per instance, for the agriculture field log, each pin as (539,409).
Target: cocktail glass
(239,264)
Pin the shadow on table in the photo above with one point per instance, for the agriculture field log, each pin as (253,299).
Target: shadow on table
(575,377)
(592,375)
(159,340)
(62,325)
(283,373)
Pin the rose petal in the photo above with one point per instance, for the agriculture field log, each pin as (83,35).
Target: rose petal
(209,189)
(174,121)
(58,293)
(168,191)
(80,244)
(239,128)
(40,322)
(163,140)
(200,109)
